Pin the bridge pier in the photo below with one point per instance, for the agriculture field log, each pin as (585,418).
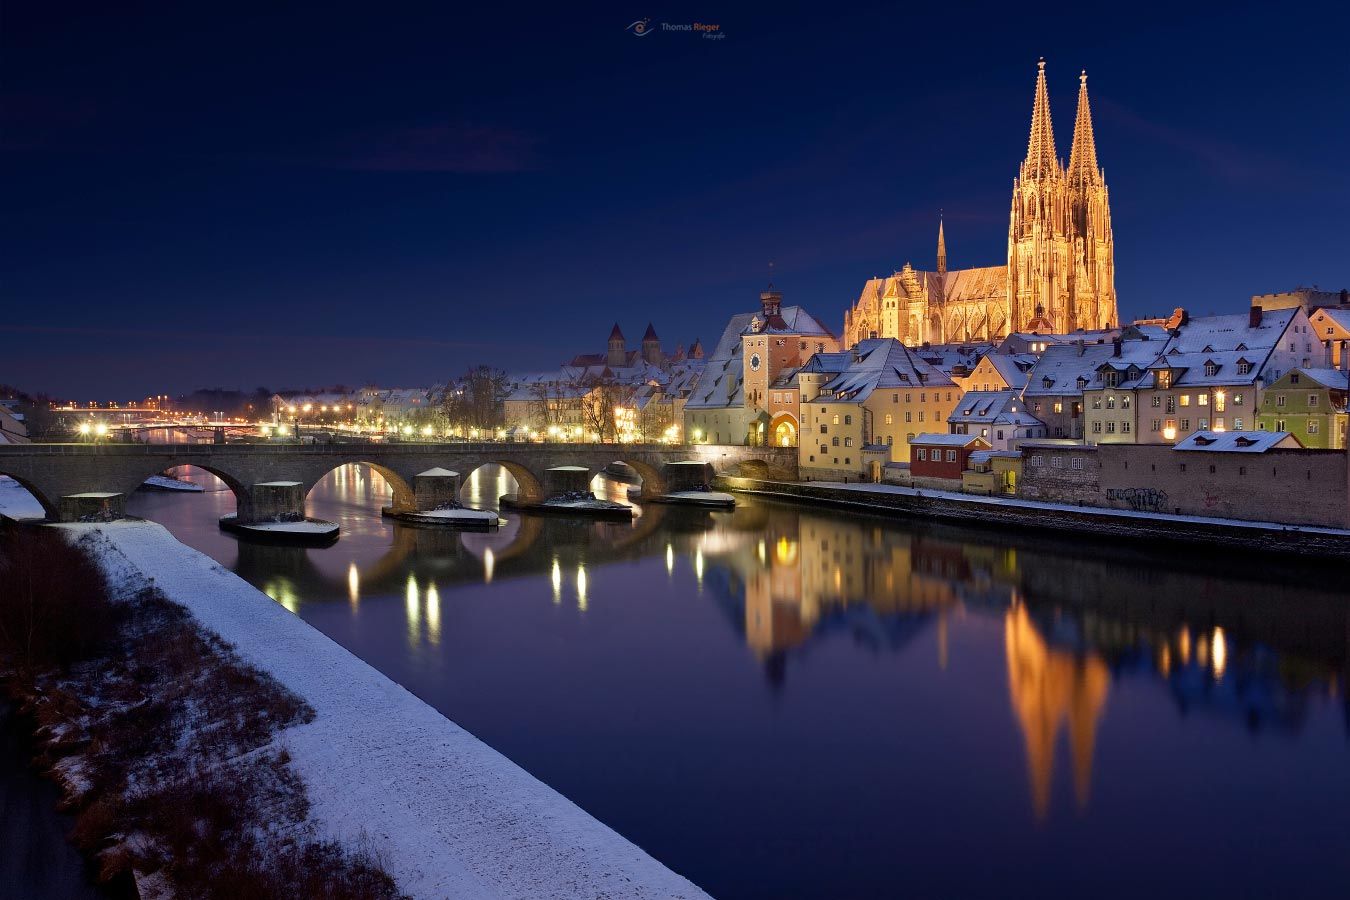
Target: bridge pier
(273,501)
(102,506)
(433,489)
(561,480)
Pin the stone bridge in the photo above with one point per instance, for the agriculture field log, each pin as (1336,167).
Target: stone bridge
(60,476)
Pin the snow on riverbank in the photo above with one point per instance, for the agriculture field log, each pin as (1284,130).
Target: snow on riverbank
(17,503)
(299,526)
(456,514)
(449,816)
(703,497)
(165,483)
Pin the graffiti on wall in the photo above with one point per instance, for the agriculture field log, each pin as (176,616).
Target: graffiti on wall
(1140,499)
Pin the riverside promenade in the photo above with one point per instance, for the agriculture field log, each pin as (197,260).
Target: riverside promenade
(446,814)
(1005,513)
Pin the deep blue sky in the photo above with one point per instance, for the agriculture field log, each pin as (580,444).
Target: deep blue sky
(284,194)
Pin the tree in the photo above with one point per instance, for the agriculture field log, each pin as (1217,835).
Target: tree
(476,399)
(601,405)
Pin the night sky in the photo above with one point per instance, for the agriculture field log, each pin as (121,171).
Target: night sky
(272,194)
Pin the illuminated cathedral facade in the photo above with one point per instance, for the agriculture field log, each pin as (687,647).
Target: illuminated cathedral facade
(1060,271)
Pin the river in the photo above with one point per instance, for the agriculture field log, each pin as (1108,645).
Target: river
(788,702)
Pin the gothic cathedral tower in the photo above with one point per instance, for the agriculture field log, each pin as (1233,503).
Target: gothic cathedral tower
(1061,273)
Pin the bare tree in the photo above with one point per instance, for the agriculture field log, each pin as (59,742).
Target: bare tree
(476,400)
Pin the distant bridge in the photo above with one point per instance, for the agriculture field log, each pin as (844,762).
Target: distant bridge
(55,473)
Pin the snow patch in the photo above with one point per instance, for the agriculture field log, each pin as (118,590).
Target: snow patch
(17,503)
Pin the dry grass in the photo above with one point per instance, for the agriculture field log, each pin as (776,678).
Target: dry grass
(164,739)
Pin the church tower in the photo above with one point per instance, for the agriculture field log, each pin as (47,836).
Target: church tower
(942,251)
(1040,246)
(618,351)
(1094,278)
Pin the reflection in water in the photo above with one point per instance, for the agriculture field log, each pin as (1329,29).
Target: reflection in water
(907,669)
(1049,688)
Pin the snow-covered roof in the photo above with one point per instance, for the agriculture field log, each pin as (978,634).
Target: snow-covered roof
(946,440)
(992,408)
(438,472)
(882,363)
(1336,379)
(1237,441)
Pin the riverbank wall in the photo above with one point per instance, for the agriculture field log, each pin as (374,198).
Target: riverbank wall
(446,814)
(1009,514)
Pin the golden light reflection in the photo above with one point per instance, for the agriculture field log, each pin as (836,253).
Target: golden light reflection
(1219,652)
(670,560)
(1050,688)
(489,564)
(581,587)
(1184,645)
(413,608)
(698,566)
(556,577)
(281,590)
(353,584)
(433,614)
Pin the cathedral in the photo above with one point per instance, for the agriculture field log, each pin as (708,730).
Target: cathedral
(1060,273)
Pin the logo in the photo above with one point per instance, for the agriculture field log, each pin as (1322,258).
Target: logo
(640,28)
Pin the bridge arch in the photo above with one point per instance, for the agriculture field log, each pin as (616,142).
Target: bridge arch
(242,499)
(49,508)
(400,487)
(529,486)
(653,479)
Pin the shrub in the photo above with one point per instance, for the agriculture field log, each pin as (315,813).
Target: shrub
(54,601)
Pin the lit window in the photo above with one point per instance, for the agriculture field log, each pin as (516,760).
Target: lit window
(951,456)
(923,454)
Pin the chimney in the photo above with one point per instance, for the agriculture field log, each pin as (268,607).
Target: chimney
(1345,357)
(1115,347)
(1254,317)
(1081,348)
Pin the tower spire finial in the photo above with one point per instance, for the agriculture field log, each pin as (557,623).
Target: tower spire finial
(1083,155)
(942,248)
(1041,159)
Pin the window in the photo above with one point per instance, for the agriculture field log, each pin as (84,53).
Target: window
(920,415)
(923,397)
(1210,369)
(1110,427)
(1218,401)
(824,429)
(890,420)
(1203,399)
(1237,399)
(1036,461)
(1185,399)
(848,442)
(1279,401)
(1171,404)
(1186,425)
(1312,399)
(1244,368)
(1164,378)
(1096,427)
(1076,463)
(1157,401)
(1059,406)
(1219,423)
(1125,427)
(907,396)
(1097,402)
(824,449)
(1293,378)
(1157,424)
(1036,407)
(890,440)
(1237,424)
(923,454)
(895,398)
(836,418)
(1203,425)
(1312,426)
(834,441)
(1125,402)
(1279,425)
(1056,462)
(1110,402)
(951,456)
(848,420)
(909,416)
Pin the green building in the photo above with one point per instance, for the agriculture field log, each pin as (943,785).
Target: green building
(1310,404)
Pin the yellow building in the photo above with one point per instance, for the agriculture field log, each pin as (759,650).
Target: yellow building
(878,395)
(1060,270)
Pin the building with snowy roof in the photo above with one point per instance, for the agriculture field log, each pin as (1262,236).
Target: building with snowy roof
(1311,404)
(1000,417)
(731,401)
(879,393)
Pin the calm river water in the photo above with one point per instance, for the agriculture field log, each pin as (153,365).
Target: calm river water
(784,702)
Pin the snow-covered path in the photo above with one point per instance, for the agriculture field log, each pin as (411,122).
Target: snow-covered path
(449,815)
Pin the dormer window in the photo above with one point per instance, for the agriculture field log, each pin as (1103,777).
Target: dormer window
(1211,368)
(1244,367)
(1240,347)
(1048,382)
(1164,378)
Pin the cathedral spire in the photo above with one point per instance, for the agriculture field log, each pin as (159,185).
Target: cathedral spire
(942,250)
(1083,157)
(1041,159)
